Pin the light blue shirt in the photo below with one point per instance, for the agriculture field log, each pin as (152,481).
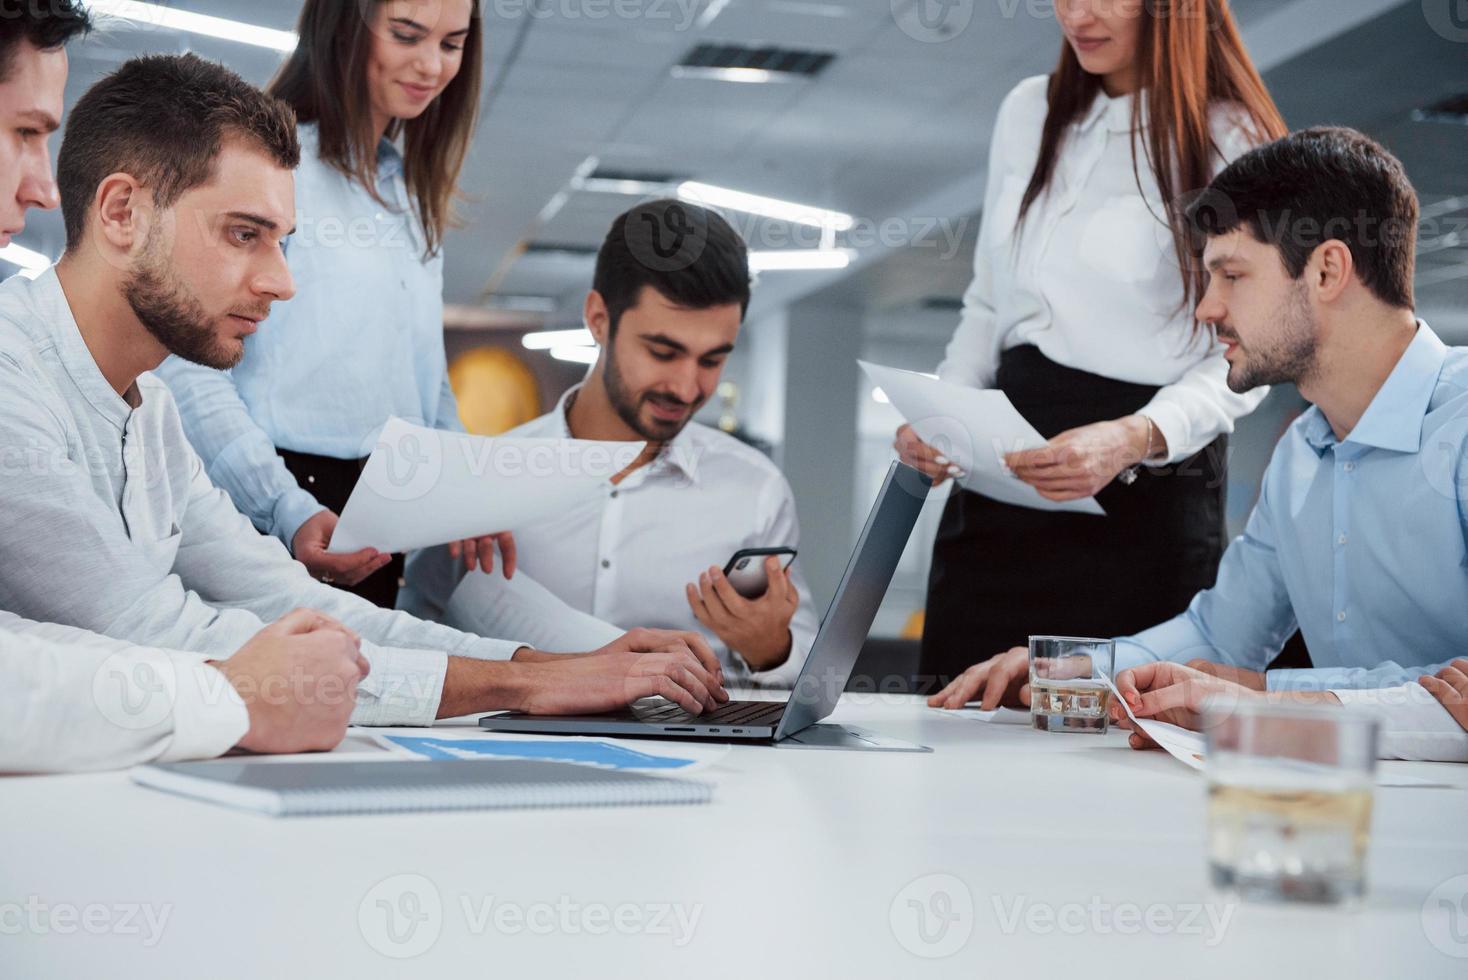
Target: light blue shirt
(362,340)
(1361,543)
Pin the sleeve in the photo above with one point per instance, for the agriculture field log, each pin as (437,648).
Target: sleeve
(1414,726)
(1386,674)
(1244,620)
(972,355)
(90,703)
(448,408)
(783,528)
(1199,407)
(238,455)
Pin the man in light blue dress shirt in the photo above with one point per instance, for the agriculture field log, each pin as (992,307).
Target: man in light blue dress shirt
(1360,535)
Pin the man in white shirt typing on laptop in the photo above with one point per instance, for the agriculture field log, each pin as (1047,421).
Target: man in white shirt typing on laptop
(668,296)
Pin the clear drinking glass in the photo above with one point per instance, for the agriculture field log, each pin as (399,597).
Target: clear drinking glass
(1289,799)
(1068,683)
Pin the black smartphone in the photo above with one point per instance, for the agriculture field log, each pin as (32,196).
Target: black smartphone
(746,570)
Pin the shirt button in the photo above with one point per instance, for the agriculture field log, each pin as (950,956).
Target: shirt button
(310,479)
(1340,617)
(614,494)
(607,564)
(1349,467)
(1341,539)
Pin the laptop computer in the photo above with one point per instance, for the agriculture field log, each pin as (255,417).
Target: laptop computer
(832,655)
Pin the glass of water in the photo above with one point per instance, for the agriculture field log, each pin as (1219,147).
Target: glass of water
(1289,800)
(1068,683)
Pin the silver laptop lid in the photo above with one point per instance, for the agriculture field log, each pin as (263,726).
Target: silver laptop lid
(849,618)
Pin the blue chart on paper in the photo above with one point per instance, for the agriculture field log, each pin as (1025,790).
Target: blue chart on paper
(603,754)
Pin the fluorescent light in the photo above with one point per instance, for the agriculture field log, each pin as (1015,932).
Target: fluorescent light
(523,303)
(157,15)
(632,188)
(799,259)
(714,9)
(747,76)
(577,355)
(770,207)
(32,263)
(550,339)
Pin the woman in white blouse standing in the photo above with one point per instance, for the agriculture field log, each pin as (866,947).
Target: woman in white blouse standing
(1080,310)
(387,93)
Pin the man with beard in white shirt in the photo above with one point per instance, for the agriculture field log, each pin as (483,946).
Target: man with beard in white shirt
(75,700)
(668,296)
(176,186)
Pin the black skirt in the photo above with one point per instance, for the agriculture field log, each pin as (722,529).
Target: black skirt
(1001,573)
(331,482)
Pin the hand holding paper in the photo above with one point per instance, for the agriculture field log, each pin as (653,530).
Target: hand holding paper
(424,487)
(974,428)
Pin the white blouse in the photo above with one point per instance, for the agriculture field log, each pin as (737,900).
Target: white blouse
(1093,281)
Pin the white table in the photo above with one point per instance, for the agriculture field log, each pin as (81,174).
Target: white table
(1056,852)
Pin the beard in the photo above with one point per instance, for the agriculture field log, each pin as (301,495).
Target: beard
(1287,357)
(172,313)
(628,405)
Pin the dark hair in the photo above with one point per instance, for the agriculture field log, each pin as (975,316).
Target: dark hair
(162,119)
(324,80)
(1318,185)
(687,253)
(1190,59)
(46,25)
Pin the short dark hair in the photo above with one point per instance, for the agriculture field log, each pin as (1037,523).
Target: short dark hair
(47,24)
(163,119)
(1315,186)
(687,253)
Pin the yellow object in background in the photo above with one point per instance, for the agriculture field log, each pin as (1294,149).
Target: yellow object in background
(495,389)
(913,628)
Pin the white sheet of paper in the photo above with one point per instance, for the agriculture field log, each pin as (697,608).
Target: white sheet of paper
(423,487)
(1185,746)
(974,428)
(999,716)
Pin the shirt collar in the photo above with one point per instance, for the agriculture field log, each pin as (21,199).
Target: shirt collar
(389,159)
(680,453)
(1116,112)
(60,324)
(1394,418)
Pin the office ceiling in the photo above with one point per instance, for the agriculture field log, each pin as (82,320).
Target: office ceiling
(895,126)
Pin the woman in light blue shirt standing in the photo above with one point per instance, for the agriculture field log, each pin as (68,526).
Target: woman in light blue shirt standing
(387,93)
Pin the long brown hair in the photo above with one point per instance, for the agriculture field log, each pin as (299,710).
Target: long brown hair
(1190,56)
(324,81)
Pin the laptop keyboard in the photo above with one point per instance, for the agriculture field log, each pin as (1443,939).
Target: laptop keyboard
(734,713)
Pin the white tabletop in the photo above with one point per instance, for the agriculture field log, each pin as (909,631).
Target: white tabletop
(1055,855)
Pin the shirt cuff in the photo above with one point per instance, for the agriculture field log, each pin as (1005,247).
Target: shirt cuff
(404,687)
(209,716)
(294,508)
(1172,422)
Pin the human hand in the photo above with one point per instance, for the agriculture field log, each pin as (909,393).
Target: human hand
(298,678)
(758,629)
(310,544)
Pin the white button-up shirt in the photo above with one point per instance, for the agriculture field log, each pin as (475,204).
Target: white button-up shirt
(110,524)
(73,700)
(624,556)
(1093,281)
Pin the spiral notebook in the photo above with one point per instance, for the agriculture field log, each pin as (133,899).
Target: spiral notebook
(289,789)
